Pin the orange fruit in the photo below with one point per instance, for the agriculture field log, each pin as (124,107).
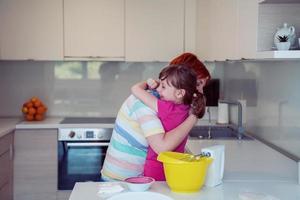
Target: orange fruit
(29,104)
(34,99)
(39,117)
(31,111)
(40,110)
(37,103)
(29,117)
(24,110)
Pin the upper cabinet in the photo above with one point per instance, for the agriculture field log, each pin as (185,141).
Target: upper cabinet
(154,29)
(145,30)
(216,33)
(124,30)
(31,29)
(226,29)
(237,29)
(94,29)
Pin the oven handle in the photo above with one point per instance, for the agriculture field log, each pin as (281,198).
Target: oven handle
(88,144)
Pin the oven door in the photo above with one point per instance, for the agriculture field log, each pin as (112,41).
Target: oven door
(79,162)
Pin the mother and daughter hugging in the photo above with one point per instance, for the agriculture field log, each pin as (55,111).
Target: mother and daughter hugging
(156,117)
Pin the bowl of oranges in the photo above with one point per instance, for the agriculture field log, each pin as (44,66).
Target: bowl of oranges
(34,109)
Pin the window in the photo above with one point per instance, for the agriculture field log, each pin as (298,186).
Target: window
(77,70)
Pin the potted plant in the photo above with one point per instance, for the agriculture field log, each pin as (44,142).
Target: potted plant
(283,42)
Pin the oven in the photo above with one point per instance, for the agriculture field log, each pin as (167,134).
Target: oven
(81,152)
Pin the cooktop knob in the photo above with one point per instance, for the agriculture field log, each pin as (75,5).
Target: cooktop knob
(71,134)
(100,136)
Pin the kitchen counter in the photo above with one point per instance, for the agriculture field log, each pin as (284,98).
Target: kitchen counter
(55,122)
(225,191)
(7,125)
(247,160)
(47,123)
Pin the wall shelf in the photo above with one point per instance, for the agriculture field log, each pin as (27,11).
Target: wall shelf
(279,54)
(279,1)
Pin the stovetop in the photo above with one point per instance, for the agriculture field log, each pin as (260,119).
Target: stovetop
(88,120)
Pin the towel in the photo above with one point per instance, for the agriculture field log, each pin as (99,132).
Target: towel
(106,189)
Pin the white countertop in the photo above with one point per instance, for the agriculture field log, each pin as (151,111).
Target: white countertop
(47,123)
(54,122)
(7,125)
(251,160)
(225,191)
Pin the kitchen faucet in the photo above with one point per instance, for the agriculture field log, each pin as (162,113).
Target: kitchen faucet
(240,128)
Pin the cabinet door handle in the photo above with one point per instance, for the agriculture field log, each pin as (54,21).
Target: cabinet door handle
(11,151)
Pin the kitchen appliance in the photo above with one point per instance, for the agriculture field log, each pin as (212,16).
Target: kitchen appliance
(82,146)
(212,92)
(215,171)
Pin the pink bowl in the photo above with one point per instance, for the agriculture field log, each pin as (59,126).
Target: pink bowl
(140,179)
(140,183)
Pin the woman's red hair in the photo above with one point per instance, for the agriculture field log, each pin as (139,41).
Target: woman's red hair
(190,60)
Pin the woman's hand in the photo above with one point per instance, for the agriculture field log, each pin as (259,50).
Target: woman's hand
(152,84)
(138,90)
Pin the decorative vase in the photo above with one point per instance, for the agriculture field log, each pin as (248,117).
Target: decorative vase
(288,31)
(283,46)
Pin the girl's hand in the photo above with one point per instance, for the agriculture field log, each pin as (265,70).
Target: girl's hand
(152,84)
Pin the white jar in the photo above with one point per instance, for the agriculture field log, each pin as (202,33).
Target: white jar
(288,31)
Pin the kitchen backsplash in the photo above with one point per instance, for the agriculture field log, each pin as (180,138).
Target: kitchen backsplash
(92,89)
(270,88)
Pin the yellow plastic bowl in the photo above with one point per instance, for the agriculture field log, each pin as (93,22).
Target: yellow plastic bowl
(182,174)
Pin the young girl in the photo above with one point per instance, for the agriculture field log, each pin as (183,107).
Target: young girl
(178,95)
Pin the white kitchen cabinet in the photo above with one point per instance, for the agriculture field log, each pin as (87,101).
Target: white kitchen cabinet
(226,29)
(216,33)
(35,164)
(63,194)
(31,29)
(154,30)
(6,167)
(247,29)
(94,29)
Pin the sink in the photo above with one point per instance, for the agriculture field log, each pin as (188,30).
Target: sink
(216,132)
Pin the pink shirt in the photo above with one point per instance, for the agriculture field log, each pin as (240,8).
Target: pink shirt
(171,115)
